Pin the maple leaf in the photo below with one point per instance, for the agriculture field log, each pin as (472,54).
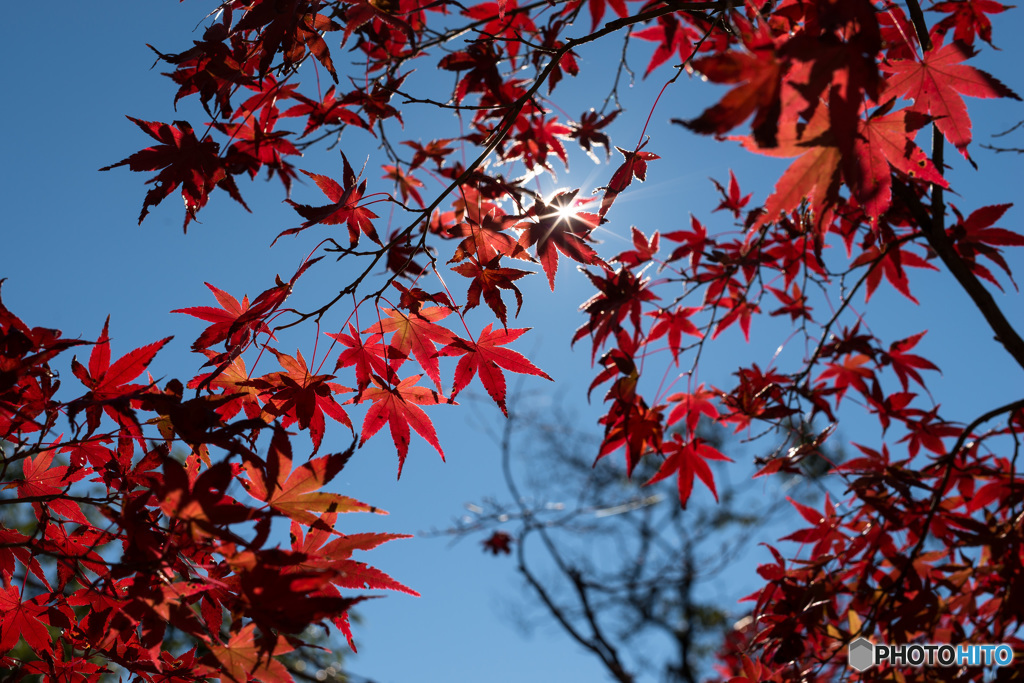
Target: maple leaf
(484,359)
(489,280)
(635,166)
(482,227)
(23,619)
(182,160)
(345,207)
(587,131)
(885,139)
(415,333)
(731,200)
(297,394)
(905,364)
(290,29)
(672,37)
(675,324)
(435,150)
(297,493)
(556,227)
(109,388)
(512,29)
(688,459)
(759,75)
(244,659)
(890,261)
(43,480)
(326,111)
(497,543)
(974,236)
(406,183)
(936,84)
(967,18)
(397,406)
(369,358)
(226,321)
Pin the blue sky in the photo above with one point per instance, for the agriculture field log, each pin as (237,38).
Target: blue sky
(74,254)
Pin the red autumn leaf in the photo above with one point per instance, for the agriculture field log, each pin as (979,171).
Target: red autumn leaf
(182,160)
(732,200)
(42,479)
(397,407)
(904,364)
(555,226)
(484,359)
(244,658)
(974,236)
(489,280)
(759,77)
(483,230)
(109,388)
(674,324)
(406,183)
(937,83)
(344,209)
(289,30)
(890,262)
(497,543)
(687,459)
(635,166)
(967,18)
(588,133)
(297,493)
(368,358)
(416,334)
(328,111)
(886,139)
(435,150)
(23,619)
(297,394)
(226,321)
(672,36)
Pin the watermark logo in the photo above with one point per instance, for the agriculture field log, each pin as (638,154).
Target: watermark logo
(862,654)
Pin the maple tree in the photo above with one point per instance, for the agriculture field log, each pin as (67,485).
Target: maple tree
(154,502)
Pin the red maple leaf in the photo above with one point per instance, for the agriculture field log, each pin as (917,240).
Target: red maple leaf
(397,406)
(484,359)
(672,36)
(967,18)
(688,459)
(297,493)
(635,166)
(406,183)
(497,543)
(226,321)
(886,139)
(556,226)
(936,84)
(416,334)
(109,388)
(328,111)
(369,357)
(23,619)
(297,394)
(345,207)
(489,280)
(244,658)
(974,236)
(182,160)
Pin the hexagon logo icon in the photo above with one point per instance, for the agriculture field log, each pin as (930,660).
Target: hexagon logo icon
(861,654)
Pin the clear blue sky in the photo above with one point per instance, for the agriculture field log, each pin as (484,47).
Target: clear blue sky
(74,254)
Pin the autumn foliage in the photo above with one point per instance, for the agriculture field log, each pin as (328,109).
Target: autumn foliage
(152,504)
